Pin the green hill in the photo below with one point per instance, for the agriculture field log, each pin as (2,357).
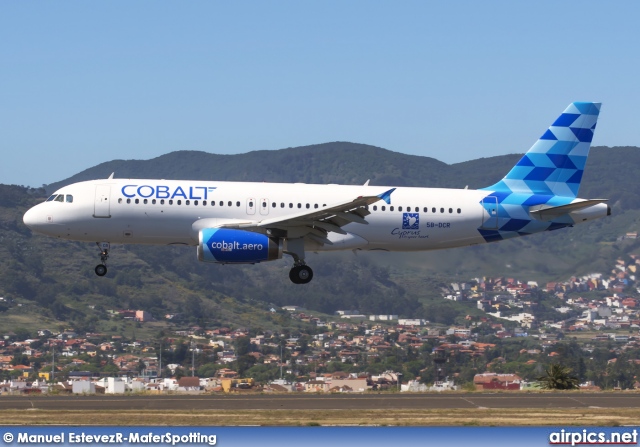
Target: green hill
(610,172)
(52,282)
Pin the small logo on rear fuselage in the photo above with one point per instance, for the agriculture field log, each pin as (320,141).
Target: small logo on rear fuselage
(410,221)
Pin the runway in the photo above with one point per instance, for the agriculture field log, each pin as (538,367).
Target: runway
(323,402)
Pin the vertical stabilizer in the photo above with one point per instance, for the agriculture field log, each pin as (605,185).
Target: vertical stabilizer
(555,163)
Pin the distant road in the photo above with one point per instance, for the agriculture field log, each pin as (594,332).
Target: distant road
(323,402)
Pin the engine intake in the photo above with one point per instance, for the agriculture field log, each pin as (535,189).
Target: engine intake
(228,246)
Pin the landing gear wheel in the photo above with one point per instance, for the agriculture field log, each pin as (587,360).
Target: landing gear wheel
(101,269)
(301,274)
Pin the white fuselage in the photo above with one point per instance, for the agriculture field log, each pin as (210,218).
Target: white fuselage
(168,212)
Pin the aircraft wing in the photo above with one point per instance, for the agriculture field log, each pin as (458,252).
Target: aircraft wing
(317,223)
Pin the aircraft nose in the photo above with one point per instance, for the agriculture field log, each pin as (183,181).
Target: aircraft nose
(31,219)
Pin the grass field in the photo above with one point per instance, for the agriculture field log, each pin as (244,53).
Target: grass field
(450,417)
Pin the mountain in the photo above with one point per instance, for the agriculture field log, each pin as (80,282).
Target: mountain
(322,163)
(54,284)
(607,174)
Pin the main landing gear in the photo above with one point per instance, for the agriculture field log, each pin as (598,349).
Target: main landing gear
(101,269)
(300,274)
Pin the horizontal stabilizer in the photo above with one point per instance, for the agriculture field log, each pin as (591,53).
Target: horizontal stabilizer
(547,213)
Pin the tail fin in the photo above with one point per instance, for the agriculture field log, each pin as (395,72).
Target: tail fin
(555,163)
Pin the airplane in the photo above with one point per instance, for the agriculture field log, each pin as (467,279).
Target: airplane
(248,223)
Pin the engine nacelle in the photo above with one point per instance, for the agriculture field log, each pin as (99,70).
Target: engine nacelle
(228,246)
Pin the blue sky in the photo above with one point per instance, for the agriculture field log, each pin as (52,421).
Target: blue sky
(87,82)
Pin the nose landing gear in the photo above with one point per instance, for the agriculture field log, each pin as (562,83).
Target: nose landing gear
(101,269)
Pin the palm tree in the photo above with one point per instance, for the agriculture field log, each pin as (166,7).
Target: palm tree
(558,377)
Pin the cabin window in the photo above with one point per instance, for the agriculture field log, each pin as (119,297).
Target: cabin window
(120,200)
(229,203)
(137,201)
(204,203)
(383,208)
(221,203)
(417,209)
(459,210)
(237,203)
(425,209)
(375,207)
(315,206)
(162,202)
(170,201)
(442,210)
(195,202)
(450,210)
(186,202)
(299,205)
(433,210)
(153,202)
(308,206)
(145,201)
(281,205)
(399,208)
(264,204)
(273,205)
(391,208)
(179,202)
(128,200)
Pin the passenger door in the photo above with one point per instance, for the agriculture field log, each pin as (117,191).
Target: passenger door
(490,205)
(102,207)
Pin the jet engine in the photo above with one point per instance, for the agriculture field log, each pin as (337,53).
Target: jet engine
(228,246)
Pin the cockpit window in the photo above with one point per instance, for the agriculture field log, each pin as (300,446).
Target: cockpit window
(60,198)
(69,198)
(52,197)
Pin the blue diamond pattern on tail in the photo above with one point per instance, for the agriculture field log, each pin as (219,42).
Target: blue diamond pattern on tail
(556,161)
(548,174)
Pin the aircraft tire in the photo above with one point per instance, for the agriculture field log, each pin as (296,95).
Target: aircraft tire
(101,270)
(293,275)
(301,274)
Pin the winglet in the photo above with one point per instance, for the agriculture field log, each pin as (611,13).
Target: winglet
(386,196)
(366,183)
(111,176)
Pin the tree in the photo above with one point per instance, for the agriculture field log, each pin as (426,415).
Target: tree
(557,377)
